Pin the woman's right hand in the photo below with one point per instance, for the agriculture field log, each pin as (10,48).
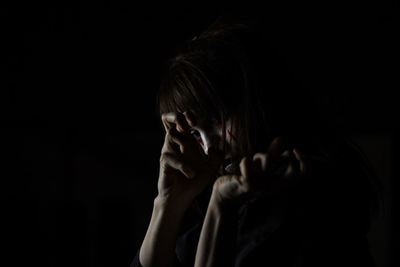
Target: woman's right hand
(185,170)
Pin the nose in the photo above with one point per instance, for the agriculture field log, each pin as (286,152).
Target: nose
(209,140)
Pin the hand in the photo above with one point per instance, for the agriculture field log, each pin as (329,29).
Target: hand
(184,168)
(265,174)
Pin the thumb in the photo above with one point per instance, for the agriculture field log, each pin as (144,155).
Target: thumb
(303,161)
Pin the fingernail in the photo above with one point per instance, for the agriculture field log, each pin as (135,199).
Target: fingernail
(296,153)
(180,129)
(285,153)
(189,116)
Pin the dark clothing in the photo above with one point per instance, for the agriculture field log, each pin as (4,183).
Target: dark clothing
(319,222)
(277,240)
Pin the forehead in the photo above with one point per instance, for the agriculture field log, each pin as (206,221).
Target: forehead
(212,124)
(206,122)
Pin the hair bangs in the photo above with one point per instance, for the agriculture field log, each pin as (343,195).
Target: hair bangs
(188,88)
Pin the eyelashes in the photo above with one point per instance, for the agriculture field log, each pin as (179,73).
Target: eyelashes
(196,135)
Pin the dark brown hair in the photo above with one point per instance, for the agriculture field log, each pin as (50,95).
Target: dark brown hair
(217,75)
(233,71)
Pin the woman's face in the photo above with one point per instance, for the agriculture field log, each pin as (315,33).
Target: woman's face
(209,134)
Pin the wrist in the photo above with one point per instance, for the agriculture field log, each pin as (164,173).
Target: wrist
(170,205)
(221,205)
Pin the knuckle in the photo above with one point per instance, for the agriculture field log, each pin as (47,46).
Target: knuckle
(168,137)
(243,161)
(162,157)
(181,121)
(180,117)
(285,154)
(181,166)
(246,188)
(171,114)
(165,156)
(173,132)
(244,184)
(170,130)
(187,169)
(168,117)
(260,155)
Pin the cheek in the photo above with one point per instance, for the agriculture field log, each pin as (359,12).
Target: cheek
(209,140)
(231,139)
(200,140)
(203,142)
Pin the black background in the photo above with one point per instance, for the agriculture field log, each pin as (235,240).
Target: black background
(80,137)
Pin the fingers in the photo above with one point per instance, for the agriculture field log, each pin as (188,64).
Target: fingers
(259,171)
(176,137)
(302,159)
(178,142)
(293,164)
(297,165)
(269,164)
(286,162)
(170,145)
(177,127)
(252,171)
(262,158)
(284,165)
(246,180)
(174,161)
(263,167)
(290,170)
(244,168)
(185,143)
(254,181)
(190,118)
(276,148)
(177,120)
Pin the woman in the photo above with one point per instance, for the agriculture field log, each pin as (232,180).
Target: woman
(250,175)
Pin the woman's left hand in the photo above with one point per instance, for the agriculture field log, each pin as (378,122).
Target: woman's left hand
(266,173)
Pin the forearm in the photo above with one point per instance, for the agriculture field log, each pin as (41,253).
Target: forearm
(217,240)
(160,240)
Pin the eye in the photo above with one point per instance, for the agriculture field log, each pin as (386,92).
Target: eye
(195,133)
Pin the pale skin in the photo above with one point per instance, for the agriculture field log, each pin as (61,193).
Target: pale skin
(186,170)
